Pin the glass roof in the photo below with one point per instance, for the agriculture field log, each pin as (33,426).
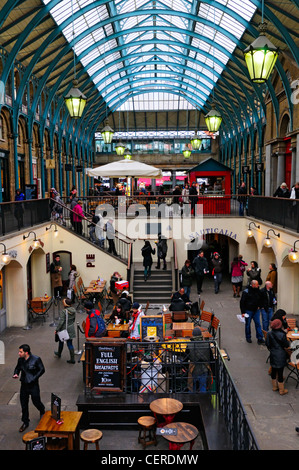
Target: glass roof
(154,55)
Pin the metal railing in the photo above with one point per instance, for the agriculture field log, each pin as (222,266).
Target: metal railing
(123,245)
(15,216)
(280,211)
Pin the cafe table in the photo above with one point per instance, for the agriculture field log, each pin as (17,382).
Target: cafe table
(115,331)
(95,287)
(292,335)
(69,427)
(165,410)
(184,433)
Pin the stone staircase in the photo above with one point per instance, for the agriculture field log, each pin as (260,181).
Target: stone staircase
(157,289)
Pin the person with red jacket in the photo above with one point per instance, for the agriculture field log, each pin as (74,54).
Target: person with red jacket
(92,325)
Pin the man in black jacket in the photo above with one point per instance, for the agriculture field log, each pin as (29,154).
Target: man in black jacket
(250,303)
(31,369)
(201,267)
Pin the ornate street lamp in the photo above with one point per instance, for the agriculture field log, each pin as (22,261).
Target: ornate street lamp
(186,152)
(107,133)
(196,142)
(260,57)
(213,119)
(75,101)
(293,254)
(120,148)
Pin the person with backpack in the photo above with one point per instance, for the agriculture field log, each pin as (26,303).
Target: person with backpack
(94,324)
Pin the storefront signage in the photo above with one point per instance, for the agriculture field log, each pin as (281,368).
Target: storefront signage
(90,259)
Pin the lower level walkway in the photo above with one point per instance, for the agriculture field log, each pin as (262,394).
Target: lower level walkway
(272,417)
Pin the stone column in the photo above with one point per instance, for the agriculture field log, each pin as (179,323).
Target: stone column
(268,171)
(280,169)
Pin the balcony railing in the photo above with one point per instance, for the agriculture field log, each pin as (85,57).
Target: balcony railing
(279,211)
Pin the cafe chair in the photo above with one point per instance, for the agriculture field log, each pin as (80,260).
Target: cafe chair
(206,317)
(36,310)
(293,372)
(181,316)
(291,323)
(215,329)
(91,436)
(147,431)
(28,437)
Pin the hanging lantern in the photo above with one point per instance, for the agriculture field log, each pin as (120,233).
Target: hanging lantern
(213,119)
(120,148)
(196,142)
(186,152)
(127,154)
(260,57)
(107,133)
(75,101)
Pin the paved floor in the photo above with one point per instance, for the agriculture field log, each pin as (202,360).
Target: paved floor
(273,417)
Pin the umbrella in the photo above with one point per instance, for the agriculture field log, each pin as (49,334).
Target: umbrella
(125,168)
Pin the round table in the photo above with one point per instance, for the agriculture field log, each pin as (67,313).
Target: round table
(166,408)
(185,433)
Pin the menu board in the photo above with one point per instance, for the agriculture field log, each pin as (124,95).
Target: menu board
(38,443)
(55,407)
(108,366)
(152,326)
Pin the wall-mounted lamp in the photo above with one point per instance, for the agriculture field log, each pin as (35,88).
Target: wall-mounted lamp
(267,241)
(249,231)
(55,231)
(5,257)
(293,254)
(36,243)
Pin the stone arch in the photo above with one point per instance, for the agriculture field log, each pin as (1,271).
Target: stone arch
(284,125)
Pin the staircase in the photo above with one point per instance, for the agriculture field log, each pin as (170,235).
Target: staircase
(157,289)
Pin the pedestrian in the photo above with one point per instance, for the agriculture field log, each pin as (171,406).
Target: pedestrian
(135,321)
(201,268)
(269,301)
(282,191)
(277,344)
(236,276)
(193,196)
(281,315)
(272,276)
(94,325)
(56,276)
(147,251)
(99,229)
(78,216)
(242,198)
(198,351)
(72,276)
(57,210)
(254,273)
(67,322)
(243,265)
(187,277)
(161,252)
(31,369)
(92,226)
(73,202)
(295,191)
(250,304)
(217,271)
(18,208)
(110,234)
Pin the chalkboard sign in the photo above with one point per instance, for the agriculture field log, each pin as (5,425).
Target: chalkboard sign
(38,443)
(55,407)
(108,366)
(151,326)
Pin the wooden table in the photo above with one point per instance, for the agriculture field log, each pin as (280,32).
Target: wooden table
(116,330)
(185,433)
(68,429)
(292,336)
(95,287)
(165,410)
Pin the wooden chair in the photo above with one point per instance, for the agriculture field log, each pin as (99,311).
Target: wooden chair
(79,296)
(91,436)
(28,437)
(294,372)
(181,316)
(206,317)
(37,309)
(291,323)
(265,333)
(215,329)
(202,305)
(147,431)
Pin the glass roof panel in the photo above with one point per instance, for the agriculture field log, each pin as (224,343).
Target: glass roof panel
(151,31)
